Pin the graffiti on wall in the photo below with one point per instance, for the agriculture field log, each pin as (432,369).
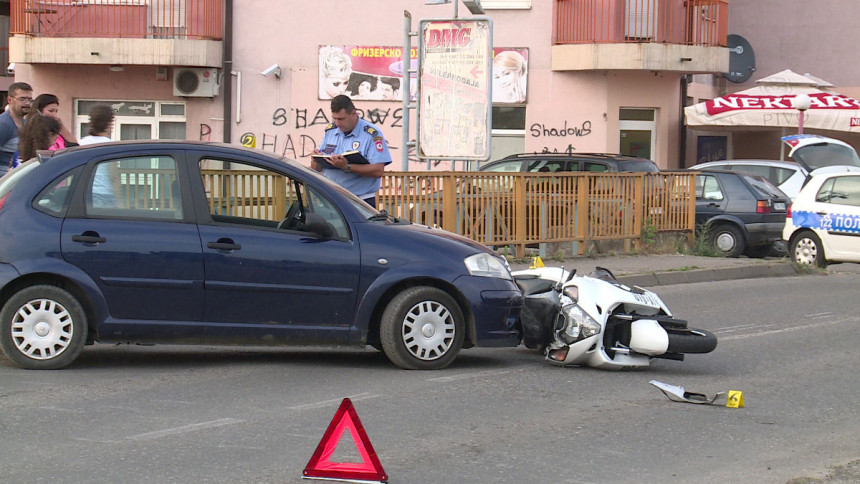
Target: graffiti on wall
(297,131)
(538,130)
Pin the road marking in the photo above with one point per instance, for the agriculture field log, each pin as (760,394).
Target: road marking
(790,329)
(463,376)
(732,329)
(326,403)
(185,428)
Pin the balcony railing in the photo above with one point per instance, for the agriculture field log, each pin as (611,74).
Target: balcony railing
(141,19)
(687,22)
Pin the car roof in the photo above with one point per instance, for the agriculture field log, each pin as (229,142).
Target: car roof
(776,163)
(576,155)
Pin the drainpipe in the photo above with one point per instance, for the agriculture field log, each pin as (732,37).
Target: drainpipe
(682,128)
(227,70)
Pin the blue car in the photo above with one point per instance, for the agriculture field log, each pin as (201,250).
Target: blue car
(163,242)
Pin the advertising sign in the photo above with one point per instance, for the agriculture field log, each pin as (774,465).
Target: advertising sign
(375,73)
(454,72)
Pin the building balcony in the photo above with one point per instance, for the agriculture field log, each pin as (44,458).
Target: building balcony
(122,32)
(687,36)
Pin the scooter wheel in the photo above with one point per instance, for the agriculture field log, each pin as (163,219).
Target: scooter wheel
(692,341)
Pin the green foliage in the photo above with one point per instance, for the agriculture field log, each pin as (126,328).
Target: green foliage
(649,232)
(704,245)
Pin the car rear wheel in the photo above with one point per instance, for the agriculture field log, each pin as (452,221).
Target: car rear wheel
(422,329)
(806,249)
(728,240)
(43,328)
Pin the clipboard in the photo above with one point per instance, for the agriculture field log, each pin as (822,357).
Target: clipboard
(353,157)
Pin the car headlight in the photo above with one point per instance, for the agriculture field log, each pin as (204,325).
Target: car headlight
(578,324)
(486,265)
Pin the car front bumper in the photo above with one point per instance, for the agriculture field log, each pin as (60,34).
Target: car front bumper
(495,305)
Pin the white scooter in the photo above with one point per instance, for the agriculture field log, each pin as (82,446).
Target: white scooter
(595,320)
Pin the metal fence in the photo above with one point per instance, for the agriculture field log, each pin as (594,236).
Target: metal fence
(144,19)
(688,22)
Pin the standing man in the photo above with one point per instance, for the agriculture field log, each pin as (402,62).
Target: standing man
(348,132)
(20,99)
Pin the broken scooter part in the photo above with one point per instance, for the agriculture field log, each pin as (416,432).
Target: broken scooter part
(678,394)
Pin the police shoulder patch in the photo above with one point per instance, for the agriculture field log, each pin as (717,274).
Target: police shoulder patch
(329,126)
(370,130)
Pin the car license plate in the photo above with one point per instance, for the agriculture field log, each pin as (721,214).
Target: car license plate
(779,206)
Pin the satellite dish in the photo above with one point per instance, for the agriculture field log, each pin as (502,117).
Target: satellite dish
(741,59)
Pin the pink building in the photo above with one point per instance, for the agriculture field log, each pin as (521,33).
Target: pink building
(580,75)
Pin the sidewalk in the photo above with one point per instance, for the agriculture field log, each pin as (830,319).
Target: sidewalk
(658,270)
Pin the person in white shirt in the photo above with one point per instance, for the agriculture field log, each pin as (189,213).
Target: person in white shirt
(101,125)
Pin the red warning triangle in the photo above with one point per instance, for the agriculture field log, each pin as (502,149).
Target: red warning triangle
(320,466)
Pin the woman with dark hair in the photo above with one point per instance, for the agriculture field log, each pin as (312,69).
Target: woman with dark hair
(49,105)
(38,133)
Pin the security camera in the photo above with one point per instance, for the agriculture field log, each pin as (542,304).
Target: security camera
(273,69)
(10,69)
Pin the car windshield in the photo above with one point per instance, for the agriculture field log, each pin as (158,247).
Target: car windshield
(826,154)
(763,187)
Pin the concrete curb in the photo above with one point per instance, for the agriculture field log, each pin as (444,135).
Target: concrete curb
(709,275)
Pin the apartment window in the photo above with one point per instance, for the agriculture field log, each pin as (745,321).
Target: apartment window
(137,119)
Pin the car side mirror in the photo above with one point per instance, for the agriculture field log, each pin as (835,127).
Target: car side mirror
(318,225)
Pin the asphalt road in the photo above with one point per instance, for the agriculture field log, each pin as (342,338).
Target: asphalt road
(255,415)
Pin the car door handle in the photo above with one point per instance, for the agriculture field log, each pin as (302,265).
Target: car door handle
(89,238)
(712,204)
(224,244)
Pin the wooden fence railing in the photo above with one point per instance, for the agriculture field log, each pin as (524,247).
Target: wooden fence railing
(522,209)
(495,209)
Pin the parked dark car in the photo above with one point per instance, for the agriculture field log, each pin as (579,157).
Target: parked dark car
(559,162)
(739,212)
(198,243)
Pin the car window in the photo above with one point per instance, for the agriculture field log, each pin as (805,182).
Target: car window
(781,175)
(840,190)
(507,167)
(637,166)
(54,198)
(708,188)
(595,167)
(245,194)
(547,166)
(763,187)
(135,187)
(826,154)
(754,169)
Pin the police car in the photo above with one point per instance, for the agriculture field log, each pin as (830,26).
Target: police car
(823,222)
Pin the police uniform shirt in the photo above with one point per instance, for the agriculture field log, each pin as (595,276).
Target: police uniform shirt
(367,140)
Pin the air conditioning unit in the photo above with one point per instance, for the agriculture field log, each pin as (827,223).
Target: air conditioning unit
(195,82)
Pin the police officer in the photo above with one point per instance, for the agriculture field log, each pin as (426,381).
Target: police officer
(349,132)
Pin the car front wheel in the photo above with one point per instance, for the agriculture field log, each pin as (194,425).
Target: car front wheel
(806,249)
(422,328)
(43,328)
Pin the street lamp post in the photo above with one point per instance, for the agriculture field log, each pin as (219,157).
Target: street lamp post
(801,103)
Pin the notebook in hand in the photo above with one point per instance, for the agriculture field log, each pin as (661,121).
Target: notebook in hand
(353,157)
